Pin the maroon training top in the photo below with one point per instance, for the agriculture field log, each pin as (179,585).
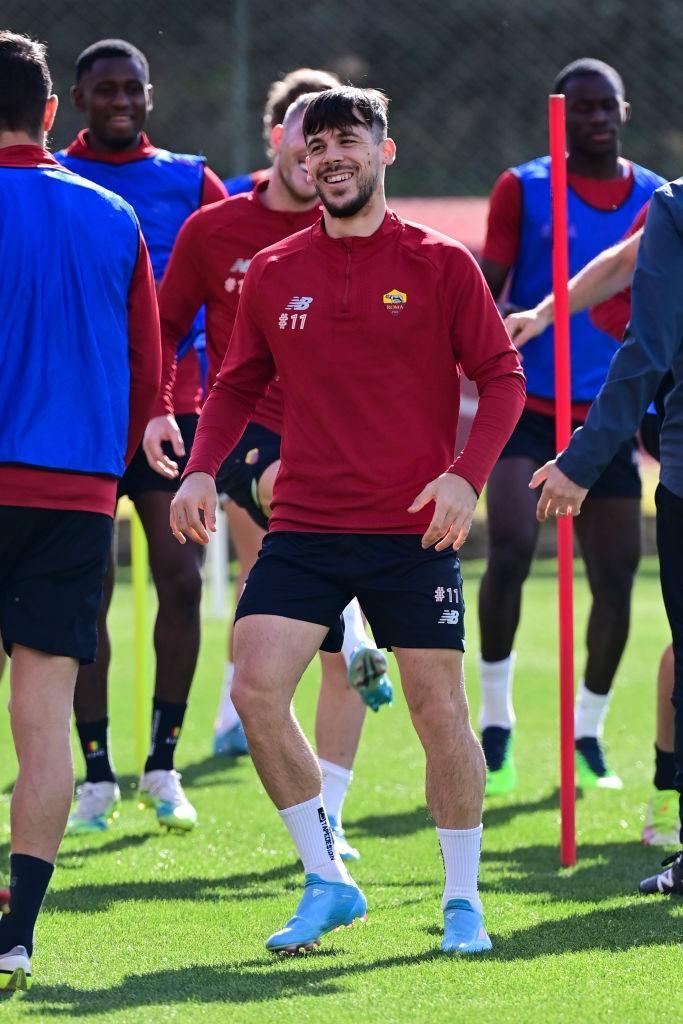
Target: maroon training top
(369,337)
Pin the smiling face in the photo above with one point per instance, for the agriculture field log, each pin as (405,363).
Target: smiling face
(596,113)
(115,97)
(290,160)
(346,165)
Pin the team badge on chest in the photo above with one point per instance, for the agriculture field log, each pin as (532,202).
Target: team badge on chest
(394,301)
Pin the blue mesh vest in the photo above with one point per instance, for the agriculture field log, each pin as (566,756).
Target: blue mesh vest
(68,251)
(590,231)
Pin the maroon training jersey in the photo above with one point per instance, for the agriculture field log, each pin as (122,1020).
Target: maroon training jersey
(369,337)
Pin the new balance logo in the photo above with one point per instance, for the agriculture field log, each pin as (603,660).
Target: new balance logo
(449,618)
(299,302)
(240,266)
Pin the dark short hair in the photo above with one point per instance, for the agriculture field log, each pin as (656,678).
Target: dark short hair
(108,48)
(588,66)
(25,83)
(284,91)
(345,106)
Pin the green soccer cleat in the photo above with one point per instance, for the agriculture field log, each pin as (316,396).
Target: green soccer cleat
(592,771)
(15,970)
(97,807)
(162,792)
(662,821)
(501,772)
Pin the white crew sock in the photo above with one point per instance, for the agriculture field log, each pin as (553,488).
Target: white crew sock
(354,630)
(336,781)
(227,716)
(460,849)
(589,712)
(495,680)
(308,826)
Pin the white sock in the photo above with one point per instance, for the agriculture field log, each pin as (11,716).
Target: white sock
(354,629)
(227,716)
(589,712)
(460,849)
(312,835)
(336,781)
(495,680)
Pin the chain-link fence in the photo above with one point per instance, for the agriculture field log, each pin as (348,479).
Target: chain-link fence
(468,79)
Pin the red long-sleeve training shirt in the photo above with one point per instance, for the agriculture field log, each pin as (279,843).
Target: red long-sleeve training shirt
(210,257)
(368,336)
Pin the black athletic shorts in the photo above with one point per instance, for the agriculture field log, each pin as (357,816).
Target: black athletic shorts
(534,438)
(239,475)
(139,477)
(52,564)
(410,597)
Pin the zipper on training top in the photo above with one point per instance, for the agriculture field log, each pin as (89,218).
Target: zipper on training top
(347,276)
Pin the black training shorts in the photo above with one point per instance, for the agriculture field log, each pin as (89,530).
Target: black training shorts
(239,475)
(139,476)
(410,597)
(52,564)
(534,438)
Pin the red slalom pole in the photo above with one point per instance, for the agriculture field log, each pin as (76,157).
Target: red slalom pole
(563,427)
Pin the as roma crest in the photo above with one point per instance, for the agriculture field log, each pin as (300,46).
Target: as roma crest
(394,301)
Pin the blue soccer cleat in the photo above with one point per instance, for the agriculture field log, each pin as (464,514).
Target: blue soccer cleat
(464,930)
(231,743)
(324,906)
(367,674)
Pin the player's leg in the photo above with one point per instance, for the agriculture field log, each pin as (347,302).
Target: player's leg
(608,530)
(98,797)
(512,535)
(176,570)
(661,818)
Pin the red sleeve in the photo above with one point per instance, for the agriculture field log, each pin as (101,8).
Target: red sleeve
(612,315)
(483,348)
(247,370)
(505,221)
(213,189)
(144,349)
(181,293)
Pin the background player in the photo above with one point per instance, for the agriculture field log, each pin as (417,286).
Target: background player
(605,193)
(83,322)
(114,94)
(347,515)
(207,267)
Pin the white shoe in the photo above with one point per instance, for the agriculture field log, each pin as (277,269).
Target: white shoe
(15,970)
(98,805)
(162,791)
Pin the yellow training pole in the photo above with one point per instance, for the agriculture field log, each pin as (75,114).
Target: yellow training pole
(139,573)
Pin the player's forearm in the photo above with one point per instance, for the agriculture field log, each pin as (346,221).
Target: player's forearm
(500,405)
(223,419)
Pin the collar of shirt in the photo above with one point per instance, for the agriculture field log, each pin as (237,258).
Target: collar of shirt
(81,147)
(390,228)
(26,156)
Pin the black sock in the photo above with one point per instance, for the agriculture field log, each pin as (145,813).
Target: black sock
(29,879)
(167,721)
(665,769)
(94,737)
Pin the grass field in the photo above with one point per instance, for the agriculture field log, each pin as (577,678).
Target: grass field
(147,927)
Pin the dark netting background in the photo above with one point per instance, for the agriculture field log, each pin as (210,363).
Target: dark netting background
(468,79)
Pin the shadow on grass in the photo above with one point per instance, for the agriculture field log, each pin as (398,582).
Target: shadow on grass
(403,823)
(214,771)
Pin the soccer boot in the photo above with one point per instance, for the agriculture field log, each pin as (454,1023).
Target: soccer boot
(344,848)
(231,742)
(161,791)
(367,674)
(669,881)
(662,822)
(501,773)
(463,929)
(15,970)
(592,771)
(97,807)
(324,906)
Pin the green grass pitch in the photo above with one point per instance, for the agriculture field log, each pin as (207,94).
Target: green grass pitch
(142,926)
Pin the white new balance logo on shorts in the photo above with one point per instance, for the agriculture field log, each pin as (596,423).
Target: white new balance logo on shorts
(449,618)
(299,302)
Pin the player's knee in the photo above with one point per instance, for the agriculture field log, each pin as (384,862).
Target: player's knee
(612,583)
(509,561)
(252,693)
(181,590)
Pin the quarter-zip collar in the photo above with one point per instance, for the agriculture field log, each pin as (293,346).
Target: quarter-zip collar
(358,246)
(26,156)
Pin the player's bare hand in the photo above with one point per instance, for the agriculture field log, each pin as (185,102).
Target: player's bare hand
(454,503)
(193,510)
(160,429)
(560,495)
(522,327)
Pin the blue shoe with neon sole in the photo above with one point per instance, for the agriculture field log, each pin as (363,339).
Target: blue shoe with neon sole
(324,906)
(464,930)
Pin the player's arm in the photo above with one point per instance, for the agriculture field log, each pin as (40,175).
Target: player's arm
(502,233)
(144,348)
(182,292)
(607,274)
(652,341)
(247,370)
(213,189)
(482,347)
